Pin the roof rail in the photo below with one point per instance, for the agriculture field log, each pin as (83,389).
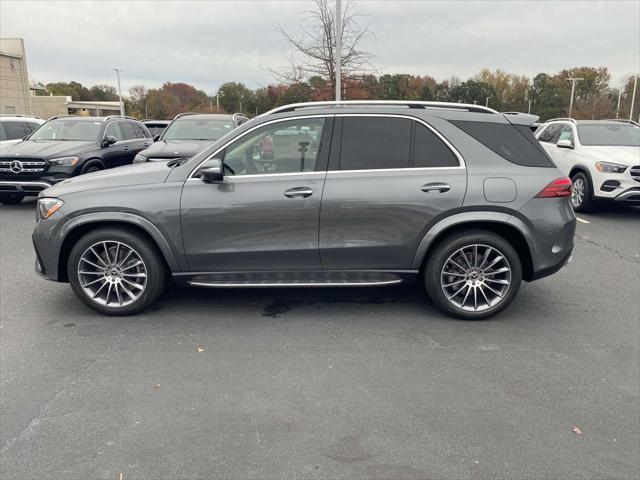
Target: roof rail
(565,119)
(404,103)
(184,114)
(61,116)
(623,120)
(18,115)
(110,117)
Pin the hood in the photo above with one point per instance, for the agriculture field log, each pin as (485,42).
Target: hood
(628,156)
(176,148)
(126,176)
(46,149)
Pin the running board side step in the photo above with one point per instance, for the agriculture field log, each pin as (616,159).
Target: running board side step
(295,279)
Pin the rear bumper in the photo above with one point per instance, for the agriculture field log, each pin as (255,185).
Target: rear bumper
(24,187)
(550,270)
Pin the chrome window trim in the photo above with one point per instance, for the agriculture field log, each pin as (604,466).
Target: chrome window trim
(460,158)
(453,149)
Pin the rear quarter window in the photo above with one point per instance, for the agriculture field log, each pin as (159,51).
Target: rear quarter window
(514,143)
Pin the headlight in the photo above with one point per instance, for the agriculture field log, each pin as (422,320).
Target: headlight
(139,158)
(48,206)
(607,167)
(64,161)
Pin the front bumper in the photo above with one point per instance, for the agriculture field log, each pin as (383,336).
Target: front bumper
(630,196)
(25,187)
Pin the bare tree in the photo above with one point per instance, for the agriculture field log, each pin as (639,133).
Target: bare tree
(313,52)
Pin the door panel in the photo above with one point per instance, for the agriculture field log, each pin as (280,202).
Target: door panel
(389,177)
(248,223)
(376,219)
(265,215)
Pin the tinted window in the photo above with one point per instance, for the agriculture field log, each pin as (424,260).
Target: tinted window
(31,127)
(140,130)
(155,128)
(550,134)
(14,130)
(375,143)
(68,129)
(517,145)
(282,147)
(617,135)
(113,130)
(430,151)
(128,131)
(188,128)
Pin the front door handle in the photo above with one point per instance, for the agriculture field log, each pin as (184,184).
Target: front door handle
(126,147)
(436,187)
(146,144)
(298,192)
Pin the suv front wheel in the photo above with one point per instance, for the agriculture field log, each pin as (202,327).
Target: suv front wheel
(581,193)
(473,274)
(116,271)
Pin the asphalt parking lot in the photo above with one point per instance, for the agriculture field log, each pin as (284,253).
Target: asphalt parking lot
(351,383)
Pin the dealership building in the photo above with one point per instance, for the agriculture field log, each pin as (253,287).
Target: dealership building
(18,98)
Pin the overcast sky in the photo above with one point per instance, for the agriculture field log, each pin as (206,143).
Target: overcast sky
(207,43)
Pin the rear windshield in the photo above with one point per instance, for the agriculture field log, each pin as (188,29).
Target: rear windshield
(609,135)
(197,129)
(514,143)
(68,130)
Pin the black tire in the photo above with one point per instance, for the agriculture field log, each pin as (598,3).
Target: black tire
(587,204)
(92,167)
(11,198)
(448,246)
(155,268)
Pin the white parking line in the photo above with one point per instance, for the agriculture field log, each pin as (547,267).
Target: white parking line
(582,220)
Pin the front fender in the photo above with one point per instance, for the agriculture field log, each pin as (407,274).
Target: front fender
(171,257)
(473,217)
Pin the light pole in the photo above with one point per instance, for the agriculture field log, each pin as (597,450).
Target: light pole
(573,81)
(120,92)
(486,103)
(633,97)
(619,98)
(338,49)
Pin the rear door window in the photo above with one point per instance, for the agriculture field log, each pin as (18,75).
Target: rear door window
(372,143)
(429,151)
(514,143)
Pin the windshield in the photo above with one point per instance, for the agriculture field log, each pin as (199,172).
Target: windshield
(609,135)
(197,129)
(68,130)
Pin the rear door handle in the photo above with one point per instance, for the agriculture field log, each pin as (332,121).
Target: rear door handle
(126,147)
(146,144)
(298,192)
(436,187)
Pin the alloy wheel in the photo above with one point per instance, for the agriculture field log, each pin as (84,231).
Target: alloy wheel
(112,274)
(476,278)
(577,192)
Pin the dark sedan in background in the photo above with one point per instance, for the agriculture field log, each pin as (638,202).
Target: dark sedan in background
(188,134)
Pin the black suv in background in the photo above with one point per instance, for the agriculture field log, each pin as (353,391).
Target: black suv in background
(188,134)
(64,147)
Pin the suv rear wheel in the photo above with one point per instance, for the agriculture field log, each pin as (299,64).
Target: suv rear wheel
(473,274)
(116,271)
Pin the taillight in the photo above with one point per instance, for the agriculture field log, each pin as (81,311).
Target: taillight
(560,187)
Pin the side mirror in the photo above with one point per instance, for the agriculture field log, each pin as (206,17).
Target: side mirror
(156,137)
(211,171)
(109,140)
(564,143)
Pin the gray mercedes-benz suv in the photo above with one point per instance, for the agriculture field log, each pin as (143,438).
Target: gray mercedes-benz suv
(457,196)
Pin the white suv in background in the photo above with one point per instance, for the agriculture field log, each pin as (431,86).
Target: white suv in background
(602,158)
(13,128)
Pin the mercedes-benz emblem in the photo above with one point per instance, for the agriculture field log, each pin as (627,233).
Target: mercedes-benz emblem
(16,166)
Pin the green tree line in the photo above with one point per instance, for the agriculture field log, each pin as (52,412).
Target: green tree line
(546,95)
